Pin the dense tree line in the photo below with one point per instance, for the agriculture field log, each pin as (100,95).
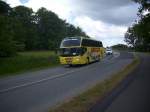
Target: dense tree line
(120,47)
(22,29)
(138,35)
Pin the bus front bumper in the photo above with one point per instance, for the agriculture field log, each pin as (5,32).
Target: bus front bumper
(72,60)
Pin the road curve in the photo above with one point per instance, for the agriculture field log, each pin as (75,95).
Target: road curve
(136,96)
(132,94)
(37,91)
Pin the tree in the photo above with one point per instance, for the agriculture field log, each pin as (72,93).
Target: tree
(7,44)
(138,35)
(120,47)
(26,36)
(5,9)
(130,37)
(71,31)
(22,29)
(144,5)
(51,29)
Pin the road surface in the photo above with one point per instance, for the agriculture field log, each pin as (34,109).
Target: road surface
(133,94)
(40,90)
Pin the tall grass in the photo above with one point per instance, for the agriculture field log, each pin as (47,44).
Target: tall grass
(26,61)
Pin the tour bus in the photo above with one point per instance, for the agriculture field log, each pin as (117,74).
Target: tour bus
(80,50)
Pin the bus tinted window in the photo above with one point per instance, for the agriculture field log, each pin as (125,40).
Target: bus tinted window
(85,42)
(71,51)
(70,42)
(101,45)
(91,43)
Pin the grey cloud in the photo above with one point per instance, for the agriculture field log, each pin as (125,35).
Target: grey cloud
(119,12)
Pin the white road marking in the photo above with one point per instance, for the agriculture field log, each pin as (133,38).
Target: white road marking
(115,55)
(42,80)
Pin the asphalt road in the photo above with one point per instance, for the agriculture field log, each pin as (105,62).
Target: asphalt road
(40,90)
(133,94)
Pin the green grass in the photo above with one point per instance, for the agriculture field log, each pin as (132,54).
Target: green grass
(27,61)
(84,101)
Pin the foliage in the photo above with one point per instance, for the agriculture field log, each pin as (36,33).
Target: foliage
(27,33)
(4,8)
(7,44)
(26,61)
(120,47)
(51,29)
(24,30)
(144,5)
(138,35)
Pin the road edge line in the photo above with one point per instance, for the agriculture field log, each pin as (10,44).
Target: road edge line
(84,101)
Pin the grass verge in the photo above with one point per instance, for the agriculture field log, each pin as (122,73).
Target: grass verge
(27,61)
(83,102)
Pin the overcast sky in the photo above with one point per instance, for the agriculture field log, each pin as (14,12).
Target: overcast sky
(105,20)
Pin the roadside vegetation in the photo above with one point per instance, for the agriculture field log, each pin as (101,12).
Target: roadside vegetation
(138,34)
(22,30)
(122,47)
(27,61)
(84,101)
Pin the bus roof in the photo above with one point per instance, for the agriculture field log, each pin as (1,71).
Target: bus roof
(76,37)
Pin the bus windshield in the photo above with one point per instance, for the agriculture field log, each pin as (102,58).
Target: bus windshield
(70,42)
(71,51)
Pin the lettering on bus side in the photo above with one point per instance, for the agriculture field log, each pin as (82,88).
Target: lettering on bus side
(95,53)
(95,49)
